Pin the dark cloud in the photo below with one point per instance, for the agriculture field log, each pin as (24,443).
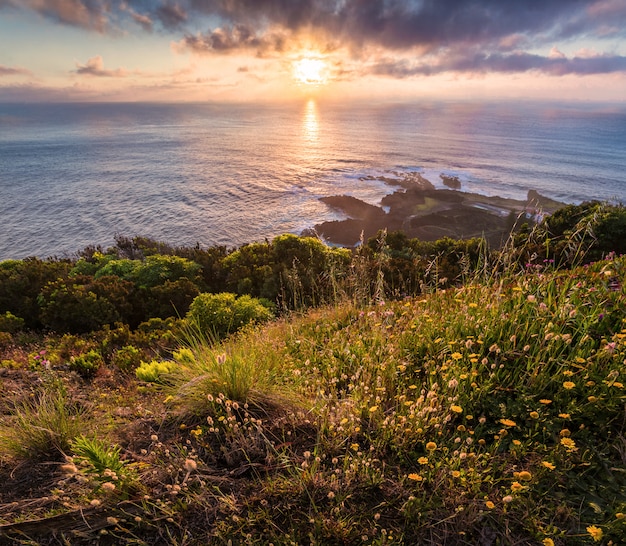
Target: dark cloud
(238,38)
(13,71)
(394,24)
(171,15)
(483,35)
(401,24)
(480,63)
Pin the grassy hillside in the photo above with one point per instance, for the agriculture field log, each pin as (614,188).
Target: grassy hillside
(493,413)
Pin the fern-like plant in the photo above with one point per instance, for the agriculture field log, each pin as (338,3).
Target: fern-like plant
(103,462)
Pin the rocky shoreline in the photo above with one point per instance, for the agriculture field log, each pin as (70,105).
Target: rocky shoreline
(422,211)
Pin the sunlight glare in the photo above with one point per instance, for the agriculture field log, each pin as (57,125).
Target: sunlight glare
(310,71)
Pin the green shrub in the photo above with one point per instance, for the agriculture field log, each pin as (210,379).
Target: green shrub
(6,340)
(70,345)
(10,323)
(83,304)
(127,358)
(156,270)
(172,298)
(155,371)
(86,364)
(221,314)
(20,284)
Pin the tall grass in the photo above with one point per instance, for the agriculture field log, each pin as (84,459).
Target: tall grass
(245,369)
(44,426)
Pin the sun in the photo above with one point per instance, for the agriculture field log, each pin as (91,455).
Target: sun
(310,71)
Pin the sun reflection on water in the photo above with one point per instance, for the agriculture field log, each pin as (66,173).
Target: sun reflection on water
(310,123)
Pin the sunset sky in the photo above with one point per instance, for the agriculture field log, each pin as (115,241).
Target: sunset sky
(261,50)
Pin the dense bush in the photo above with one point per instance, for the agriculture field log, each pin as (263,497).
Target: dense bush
(86,364)
(21,282)
(10,323)
(218,315)
(293,271)
(83,304)
(574,235)
(140,279)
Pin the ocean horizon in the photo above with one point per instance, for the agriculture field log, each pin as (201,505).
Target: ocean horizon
(78,174)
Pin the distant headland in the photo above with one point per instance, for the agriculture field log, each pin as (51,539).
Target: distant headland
(422,211)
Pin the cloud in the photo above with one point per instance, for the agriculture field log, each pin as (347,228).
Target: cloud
(142,19)
(470,36)
(555,64)
(171,15)
(400,24)
(445,35)
(238,38)
(90,14)
(95,67)
(14,71)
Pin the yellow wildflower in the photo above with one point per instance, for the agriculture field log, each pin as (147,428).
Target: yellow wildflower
(568,444)
(548,465)
(456,474)
(592,399)
(490,505)
(457,356)
(423,460)
(431,446)
(457,409)
(516,487)
(569,385)
(534,415)
(525,476)
(415,477)
(373,409)
(564,415)
(595,532)
(547,542)
(545,401)
(508,422)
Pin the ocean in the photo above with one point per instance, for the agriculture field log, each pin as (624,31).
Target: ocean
(74,175)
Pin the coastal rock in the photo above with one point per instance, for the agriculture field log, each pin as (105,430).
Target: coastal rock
(430,214)
(451,182)
(353,207)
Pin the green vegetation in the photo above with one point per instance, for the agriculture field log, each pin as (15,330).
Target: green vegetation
(407,393)
(43,426)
